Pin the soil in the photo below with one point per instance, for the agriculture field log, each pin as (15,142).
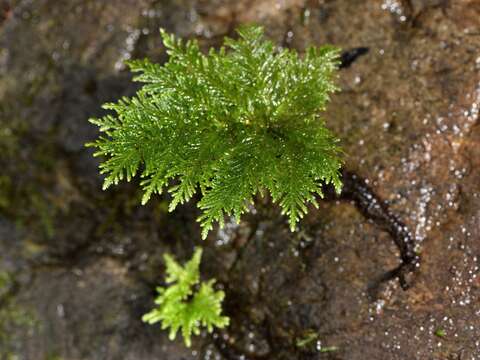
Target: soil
(78,266)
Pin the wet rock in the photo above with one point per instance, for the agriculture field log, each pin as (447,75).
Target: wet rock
(92,312)
(86,262)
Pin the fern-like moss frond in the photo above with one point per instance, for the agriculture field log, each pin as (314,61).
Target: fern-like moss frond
(231,123)
(181,307)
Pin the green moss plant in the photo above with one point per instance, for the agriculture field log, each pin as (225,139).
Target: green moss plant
(187,304)
(232,123)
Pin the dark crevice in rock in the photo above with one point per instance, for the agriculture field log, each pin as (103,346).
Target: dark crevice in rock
(348,57)
(373,208)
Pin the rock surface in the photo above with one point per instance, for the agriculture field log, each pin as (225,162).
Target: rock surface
(78,266)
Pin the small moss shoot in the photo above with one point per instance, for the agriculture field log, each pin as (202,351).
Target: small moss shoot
(187,304)
(441,333)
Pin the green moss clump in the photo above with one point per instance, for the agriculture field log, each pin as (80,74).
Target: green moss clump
(241,120)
